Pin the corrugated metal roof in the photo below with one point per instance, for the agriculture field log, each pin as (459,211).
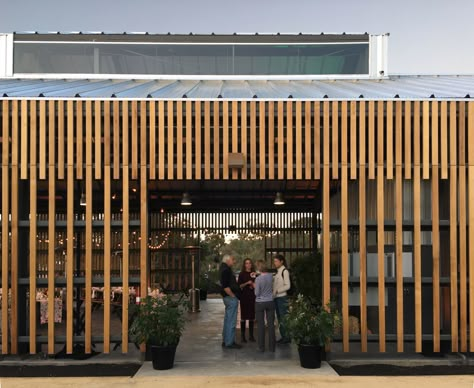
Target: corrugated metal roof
(403,87)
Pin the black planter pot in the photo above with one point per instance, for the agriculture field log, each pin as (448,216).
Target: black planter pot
(163,356)
(202,294)
(310,356)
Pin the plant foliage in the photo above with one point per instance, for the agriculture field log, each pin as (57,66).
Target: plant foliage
(310,324)
(159,321)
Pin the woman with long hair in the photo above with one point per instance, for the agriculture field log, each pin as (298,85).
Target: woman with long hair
(246,282)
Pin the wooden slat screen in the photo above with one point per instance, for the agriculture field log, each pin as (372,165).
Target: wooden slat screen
(406,167)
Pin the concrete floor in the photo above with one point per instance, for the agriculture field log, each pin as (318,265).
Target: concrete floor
(200,352)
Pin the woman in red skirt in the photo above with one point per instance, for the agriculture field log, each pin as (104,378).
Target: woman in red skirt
(247,298)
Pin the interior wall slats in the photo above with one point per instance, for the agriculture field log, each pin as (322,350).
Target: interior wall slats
(362,227)
(453,222)
(5,228)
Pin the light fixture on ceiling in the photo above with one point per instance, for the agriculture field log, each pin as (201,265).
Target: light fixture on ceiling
(279,201)
(186,201)
(82,201)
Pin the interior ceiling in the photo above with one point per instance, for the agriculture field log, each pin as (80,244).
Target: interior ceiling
(205,195)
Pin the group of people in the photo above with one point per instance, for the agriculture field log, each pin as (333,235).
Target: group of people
(261,294)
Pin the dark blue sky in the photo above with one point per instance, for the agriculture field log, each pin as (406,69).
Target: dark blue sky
(427,37)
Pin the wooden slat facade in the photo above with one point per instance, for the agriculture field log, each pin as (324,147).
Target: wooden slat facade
(406,167)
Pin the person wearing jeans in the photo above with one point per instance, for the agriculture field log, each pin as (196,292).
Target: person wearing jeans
(281,284)
(230,292)
(264,307)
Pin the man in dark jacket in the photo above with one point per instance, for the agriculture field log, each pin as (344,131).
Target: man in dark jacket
(230,293)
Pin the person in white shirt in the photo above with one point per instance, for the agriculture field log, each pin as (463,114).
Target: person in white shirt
(281,284)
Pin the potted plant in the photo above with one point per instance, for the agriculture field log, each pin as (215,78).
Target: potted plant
(310,326)
(159,323)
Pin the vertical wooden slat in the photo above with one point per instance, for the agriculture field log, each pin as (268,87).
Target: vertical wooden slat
(253,140)
(453,222)
(116,137)
(307,140)
(426,140)
(462,226)
(417,223)
(244,138)
(335,140)
(353,140)
(399,222)
(125,228)
(88,232)
(281,141)
(79,140)
(317,140)
(436,258)
(362,228)
(5,215)
(161,140)
(235,133)
(262,141)
(51,224)
(225,140)
(24,140)
(470,153)
(107,138)
(389,139)
(344,230)
(289,140)
(189,140)
(107,257)
(380,223)
(197,140)
(33,224)
(271,140)
(434,134)
(143,221)
(444,140)
(134,133)
(371,140)
(97,139)
(216,140)
(326,208)
(408,151)
(42,139)
(70,227)
(152,141)
(179,140)
(298,140)
(207,140)
(14,230)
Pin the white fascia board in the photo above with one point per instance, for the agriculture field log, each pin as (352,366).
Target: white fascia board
(6,55)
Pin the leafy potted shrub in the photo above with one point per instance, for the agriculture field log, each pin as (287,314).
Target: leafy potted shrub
(306,274)
(310,326)
(159,323)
